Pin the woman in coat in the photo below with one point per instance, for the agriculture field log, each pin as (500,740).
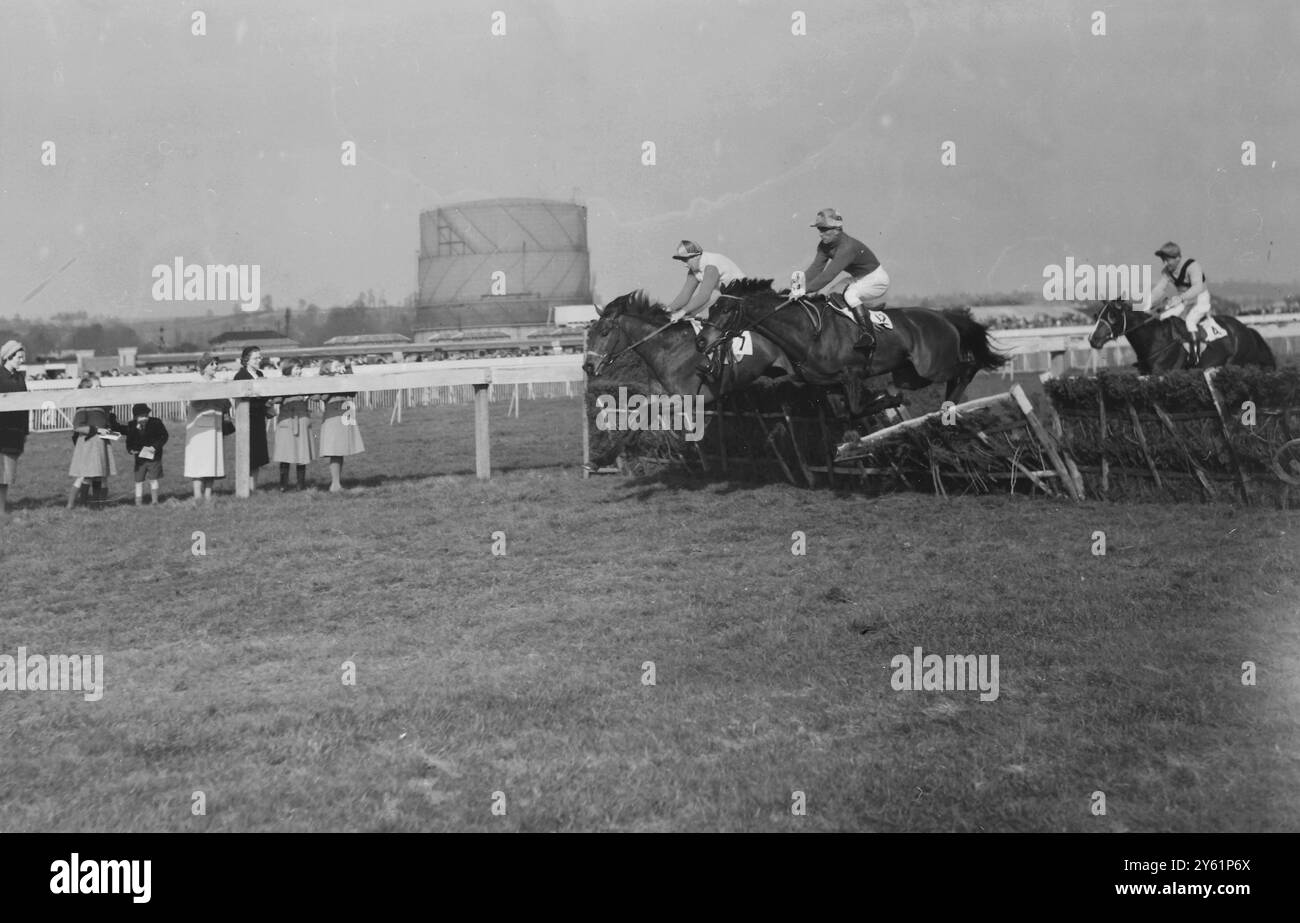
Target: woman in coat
(14,423)
(295,436)
(204,439)
(339,434)
(250,362)
(92,453)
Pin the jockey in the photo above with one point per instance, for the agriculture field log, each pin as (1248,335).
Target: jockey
(706,273)
(1189,286)
(838,252)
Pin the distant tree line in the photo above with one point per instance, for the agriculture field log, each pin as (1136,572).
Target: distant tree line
(308,324)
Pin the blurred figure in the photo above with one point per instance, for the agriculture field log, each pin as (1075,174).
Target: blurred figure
(13,424)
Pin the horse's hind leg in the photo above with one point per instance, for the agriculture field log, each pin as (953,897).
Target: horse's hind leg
(908,378)
(958,384)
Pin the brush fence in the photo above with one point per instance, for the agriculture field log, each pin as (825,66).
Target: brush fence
(1086,443)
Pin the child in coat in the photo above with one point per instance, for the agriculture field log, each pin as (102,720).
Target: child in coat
(145,437)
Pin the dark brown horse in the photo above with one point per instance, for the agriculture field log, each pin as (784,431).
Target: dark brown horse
(632,322)
(919,347)
(1159,344)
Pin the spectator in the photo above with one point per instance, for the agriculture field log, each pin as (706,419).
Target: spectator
(339,434)
(250,361)
(295,437)
(145,437)
(14,423)
(205,429)
(93,431)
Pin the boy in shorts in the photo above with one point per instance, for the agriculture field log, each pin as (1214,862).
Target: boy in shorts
(145,437)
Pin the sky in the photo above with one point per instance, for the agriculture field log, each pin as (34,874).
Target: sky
(226,147)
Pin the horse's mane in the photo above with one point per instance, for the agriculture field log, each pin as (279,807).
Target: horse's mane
(642,306)
(741,287)
(1125,304)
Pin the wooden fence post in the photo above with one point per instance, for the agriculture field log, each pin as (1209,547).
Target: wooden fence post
(482,448)
(1046,441)
(1227,436)
(241,449)
(1142,444)
(1101,442)
(1191,459)
(586,431)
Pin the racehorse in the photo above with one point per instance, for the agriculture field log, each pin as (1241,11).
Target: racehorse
(919,346)
(632,322)
(1159,345)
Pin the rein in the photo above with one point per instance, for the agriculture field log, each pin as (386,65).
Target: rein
(649,336)
(1126,329)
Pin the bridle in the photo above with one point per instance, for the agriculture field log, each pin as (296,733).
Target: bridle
(1125,329)
(604,360)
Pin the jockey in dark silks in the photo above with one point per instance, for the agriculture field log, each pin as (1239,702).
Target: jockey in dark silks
(838,252)
(1190,291)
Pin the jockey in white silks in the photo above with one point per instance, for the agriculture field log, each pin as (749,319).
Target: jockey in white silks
(1191,299)
(706,273)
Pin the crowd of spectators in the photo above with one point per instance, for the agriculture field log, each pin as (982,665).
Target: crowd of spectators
(1020,322)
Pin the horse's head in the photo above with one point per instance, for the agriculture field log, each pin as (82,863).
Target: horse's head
(608,337)
(1113,321)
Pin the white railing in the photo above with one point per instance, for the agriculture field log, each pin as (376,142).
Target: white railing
(52,419)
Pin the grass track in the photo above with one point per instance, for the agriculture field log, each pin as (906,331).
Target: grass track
(479,673)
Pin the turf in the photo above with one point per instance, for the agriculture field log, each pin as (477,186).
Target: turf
(522,673)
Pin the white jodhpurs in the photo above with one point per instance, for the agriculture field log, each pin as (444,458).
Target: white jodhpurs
(868,290)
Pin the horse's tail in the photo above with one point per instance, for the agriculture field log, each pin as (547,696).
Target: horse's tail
(1252,348)
(975,341)
(1267,360)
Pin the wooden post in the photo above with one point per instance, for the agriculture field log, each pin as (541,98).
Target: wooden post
(482,450)
(798,452)
(828,447)
(1227,437)
(586,431)
(770,438)
(1178,439)
(1046,441)
(719,415)
(1142,444)
(1101,441)
(241,449)
(1058,429)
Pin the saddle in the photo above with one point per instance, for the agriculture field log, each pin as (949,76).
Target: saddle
(871,319)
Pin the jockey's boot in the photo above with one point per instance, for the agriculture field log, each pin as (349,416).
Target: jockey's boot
(866,343)
(1189,341)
